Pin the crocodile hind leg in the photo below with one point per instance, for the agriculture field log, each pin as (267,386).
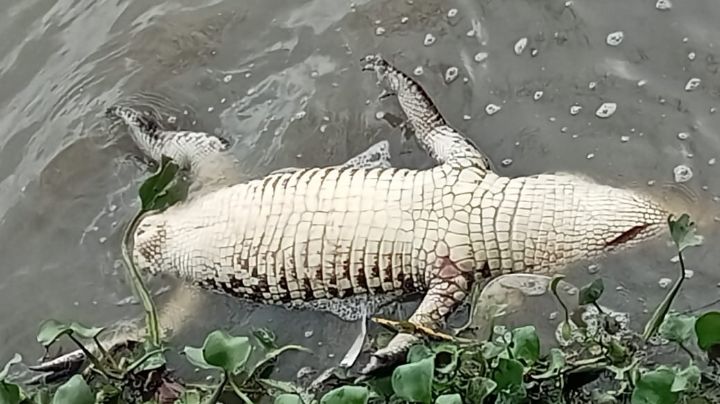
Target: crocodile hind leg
(441,141)
(447,289)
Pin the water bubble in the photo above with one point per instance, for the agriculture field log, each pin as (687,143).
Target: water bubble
(379,31)
(553,315)
(538,94)
(102,240)
(404,20)
(467,117)
(606,110)
(211,109)
(712,110)
(418,71)
(379,115)
(552,119)
(568,3)
(664,282)
(492,109)
(593,268)
(300,115)
(689,273)
(251,91)
(227,78)
(172,119)
(692,84)
(480,57)
(314,74)
(534,52)
(222,100)
(615,38)
(520,45)
(506,162)
(590,156)
(470,33)
(451,74)
(323,128)
(624,138)
(651,183)
(712,161)
(641,83)
(682,173)
(429,39)
(592,85)
(309,333)
(575,109)
(663,5)
(452,12)
(691,55)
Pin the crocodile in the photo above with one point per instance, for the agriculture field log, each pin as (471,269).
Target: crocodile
(352,237)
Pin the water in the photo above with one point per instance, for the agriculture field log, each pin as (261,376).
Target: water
(282,79)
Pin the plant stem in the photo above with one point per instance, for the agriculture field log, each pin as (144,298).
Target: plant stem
(218,391)
(238,392)
(105,353)
(141,291)
(91,357)
(684,348)
(144,358)
(659,314)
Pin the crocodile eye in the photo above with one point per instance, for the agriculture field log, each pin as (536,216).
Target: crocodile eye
(627,235)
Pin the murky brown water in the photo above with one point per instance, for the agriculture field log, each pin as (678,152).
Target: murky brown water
(282,79)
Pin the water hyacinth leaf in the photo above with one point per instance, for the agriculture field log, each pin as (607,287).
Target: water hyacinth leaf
(226,352)
(288,399)
(707,329)
(556,363)
(190,397)
(525,344)
(419,352)
(449,399)
(50,331)
(655,387)
(683,231)
(413,381)
(83,331)
(195,357)
(74,391)
(9,393)
(479,388)
(164,188)
(508,374)
(346,395)
(590,293)
(677,327)
(492,350)
(17,358)
(686,380)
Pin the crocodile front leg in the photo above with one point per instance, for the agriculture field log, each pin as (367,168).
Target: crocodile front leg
(440,140)
(448,288)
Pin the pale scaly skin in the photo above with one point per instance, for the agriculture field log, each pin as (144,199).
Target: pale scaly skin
(336,238)
(343,239)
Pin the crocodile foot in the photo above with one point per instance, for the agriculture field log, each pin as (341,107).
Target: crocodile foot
(391,355)
(382,70)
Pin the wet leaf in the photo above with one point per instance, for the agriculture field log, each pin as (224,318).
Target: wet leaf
(682,232)
(74,391)
(346,395)
(591,292)
(226,352)
(556,364)
(17,358)
(51,330)
(164,188)
(677,327)
(508,374)
(264,366)
(707,329)
(195,357)
(9,393)
(616,352)
(686,380)
(288,399)
(449,399)
(655,387)
(525,344)
(418,352)
(413,381)
(492,350)
(190,397)
(479,388)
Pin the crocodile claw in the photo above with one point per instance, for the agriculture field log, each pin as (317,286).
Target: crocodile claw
(391,355)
